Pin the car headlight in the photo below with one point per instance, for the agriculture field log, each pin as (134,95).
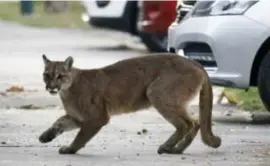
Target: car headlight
(221,7)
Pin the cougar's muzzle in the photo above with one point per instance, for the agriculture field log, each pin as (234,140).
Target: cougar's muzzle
(52,89)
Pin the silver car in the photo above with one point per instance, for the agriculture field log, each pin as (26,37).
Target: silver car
(231,38)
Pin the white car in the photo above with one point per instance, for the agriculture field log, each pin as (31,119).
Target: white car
(113,14)
(231,38)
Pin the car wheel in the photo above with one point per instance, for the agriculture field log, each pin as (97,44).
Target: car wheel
(264,81)
(154,42)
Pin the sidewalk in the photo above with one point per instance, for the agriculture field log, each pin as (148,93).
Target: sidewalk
(221,113)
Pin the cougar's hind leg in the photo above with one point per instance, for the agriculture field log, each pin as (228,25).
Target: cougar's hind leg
(193,125)
(186,130)
(165,105)
(170,95)
(188,138)
(181,129)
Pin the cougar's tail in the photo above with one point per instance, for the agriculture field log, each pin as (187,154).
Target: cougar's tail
(206,106)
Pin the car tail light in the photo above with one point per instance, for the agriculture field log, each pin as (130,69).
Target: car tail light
(153,9)
(156,16)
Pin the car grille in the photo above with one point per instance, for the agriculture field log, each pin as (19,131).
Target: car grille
(201,53)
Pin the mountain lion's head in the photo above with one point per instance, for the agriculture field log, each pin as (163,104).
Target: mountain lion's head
(57,74)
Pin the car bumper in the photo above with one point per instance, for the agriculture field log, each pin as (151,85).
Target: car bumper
(233,40)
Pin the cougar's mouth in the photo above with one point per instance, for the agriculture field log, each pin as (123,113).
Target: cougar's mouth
(53,91)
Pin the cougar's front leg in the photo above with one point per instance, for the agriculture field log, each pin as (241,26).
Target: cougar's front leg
(84,135)
(88,130)
(63,124)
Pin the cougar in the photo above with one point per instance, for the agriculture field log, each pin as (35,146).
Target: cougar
(163,80)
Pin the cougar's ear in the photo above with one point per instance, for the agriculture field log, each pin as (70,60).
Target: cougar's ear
(68,63)
(45,59)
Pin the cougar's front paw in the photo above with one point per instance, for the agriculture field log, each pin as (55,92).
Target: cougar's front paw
(66,150)
(164,149)
(48,135)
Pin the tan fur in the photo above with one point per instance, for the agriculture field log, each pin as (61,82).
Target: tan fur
(165,81)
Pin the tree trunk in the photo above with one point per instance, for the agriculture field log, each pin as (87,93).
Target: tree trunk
(56,6)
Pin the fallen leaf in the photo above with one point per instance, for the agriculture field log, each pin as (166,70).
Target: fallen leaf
(3,94)
(15,88)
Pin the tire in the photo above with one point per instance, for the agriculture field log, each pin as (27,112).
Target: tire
(264,81)
(154,42)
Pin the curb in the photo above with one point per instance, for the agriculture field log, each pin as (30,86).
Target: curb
(42,100)
(242,117)
(230,114)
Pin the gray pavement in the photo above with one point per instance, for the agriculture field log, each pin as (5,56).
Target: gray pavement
(118,143)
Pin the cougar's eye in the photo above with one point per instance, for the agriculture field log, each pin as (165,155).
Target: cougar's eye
(59,76)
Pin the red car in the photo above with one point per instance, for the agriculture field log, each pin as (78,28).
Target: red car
(147,19)
(154,19)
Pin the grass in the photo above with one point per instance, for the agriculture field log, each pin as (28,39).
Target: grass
(10,11)
(249,100)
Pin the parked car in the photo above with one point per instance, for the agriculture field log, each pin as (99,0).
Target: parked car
(231,39)
(116,15)
(154,19)
(148,20)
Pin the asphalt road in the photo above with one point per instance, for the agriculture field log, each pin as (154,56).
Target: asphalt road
(118,143)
